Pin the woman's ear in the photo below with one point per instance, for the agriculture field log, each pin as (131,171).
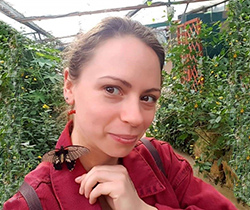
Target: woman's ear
(68,88)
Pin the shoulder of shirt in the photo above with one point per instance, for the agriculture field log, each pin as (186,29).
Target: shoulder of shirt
(162,147)
(39,175)
(35,178)
(173,162)
(176,166)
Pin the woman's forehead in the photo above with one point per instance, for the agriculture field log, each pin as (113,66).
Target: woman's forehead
(126,58)
(127,48)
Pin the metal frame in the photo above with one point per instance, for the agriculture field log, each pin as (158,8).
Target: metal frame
(9,11)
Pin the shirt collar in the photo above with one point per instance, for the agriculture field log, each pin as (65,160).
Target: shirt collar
(63,181)
(65,139)
(144,178)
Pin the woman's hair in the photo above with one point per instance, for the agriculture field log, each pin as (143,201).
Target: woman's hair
(80,52)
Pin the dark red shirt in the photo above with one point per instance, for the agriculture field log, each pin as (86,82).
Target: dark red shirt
(179,190)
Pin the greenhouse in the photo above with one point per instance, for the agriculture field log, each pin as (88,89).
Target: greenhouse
(203,110)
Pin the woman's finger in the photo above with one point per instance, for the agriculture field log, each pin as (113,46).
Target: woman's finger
(80,180)
(111,181)
(100,189)
(97,176)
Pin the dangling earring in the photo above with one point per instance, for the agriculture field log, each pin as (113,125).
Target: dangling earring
(71,112)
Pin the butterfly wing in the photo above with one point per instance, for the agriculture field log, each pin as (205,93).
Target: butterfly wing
(67,154)
(74,152)
(57,162)
(54,156)
(49,156)
(70,163)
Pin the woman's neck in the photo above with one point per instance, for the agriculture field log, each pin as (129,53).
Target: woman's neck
(95,156)
(92,159)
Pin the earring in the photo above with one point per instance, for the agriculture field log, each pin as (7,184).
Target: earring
(72,111)
(66,98)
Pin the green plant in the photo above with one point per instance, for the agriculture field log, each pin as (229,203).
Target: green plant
(220,103)
(30,104)
(239,58)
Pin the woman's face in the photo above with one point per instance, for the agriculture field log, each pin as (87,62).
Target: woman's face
(115,96)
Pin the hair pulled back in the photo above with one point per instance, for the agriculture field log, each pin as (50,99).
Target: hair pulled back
(80,52)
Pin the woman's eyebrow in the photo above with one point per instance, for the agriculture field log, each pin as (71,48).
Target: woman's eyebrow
(127,84)
(116,78)
(153,90)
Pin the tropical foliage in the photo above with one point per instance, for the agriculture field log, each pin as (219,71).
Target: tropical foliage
(30,103)
(217,113)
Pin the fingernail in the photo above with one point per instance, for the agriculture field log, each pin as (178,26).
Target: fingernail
(77,179)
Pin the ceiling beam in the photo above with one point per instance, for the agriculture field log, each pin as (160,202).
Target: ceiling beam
(204,8)
(9,11)
(141,6)
(133,12)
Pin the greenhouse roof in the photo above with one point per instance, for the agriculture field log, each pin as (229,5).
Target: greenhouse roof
(63,19)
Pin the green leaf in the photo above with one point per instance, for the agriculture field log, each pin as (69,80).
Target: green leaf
(183,136)
(218,119)
(149,3)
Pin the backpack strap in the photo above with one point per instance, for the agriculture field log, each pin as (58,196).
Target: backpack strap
(30,196)
(151,148)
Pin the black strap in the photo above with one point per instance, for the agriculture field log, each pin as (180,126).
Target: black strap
(30,196)
(155,154)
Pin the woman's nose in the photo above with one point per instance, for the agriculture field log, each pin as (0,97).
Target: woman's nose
(132,113)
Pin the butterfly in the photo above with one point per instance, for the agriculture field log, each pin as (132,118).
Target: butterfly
(67,154)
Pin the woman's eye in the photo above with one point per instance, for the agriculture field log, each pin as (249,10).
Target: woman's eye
(113,90)
(150,99)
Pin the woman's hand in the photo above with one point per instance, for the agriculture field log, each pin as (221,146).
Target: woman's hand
(113,182)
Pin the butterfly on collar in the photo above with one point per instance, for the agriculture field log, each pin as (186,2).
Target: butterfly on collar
(67,155)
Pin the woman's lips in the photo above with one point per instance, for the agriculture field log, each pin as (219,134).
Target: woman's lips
(124,139)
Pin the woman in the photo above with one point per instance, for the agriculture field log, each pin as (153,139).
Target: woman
(113,81)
